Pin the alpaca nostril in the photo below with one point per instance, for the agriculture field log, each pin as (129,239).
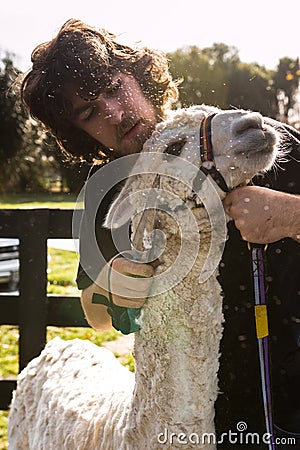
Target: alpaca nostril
(248,122)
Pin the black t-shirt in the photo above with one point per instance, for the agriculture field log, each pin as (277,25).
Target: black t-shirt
(239,376)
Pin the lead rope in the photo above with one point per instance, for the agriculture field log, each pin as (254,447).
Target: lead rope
(262,333)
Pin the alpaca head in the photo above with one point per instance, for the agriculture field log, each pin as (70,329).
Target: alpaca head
(243,145)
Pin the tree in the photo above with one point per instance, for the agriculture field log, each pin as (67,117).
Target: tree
(251,86)
(204,79)
(216,76)
(15,143)
(286,82)
(72,174)
(11,117)
(222,54)
(29,157)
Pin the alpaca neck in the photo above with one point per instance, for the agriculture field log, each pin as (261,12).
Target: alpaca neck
(176,355)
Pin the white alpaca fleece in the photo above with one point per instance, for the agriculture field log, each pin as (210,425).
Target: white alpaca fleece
(73,396)
(76,396)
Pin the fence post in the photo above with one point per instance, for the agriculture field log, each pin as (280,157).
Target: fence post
(33,285)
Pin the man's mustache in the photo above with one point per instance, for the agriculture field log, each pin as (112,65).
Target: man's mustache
(126,125)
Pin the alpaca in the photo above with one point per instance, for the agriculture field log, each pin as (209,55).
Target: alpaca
(76,395)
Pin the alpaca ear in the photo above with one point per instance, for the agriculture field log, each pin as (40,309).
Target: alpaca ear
(120,211)
(132,198)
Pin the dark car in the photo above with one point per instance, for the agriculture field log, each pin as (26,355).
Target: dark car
(9,264)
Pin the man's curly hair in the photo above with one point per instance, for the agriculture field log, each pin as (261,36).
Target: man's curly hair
(87,58)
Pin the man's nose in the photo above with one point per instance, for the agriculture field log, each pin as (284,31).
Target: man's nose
(114,112)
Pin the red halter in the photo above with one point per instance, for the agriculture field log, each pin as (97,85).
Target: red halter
(206,154)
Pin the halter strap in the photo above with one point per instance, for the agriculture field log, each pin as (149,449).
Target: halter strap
(207,161)
(206,152)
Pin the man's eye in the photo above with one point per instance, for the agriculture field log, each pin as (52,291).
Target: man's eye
(87,114)
(114,87)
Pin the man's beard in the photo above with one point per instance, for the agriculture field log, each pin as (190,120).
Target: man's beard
(139,139)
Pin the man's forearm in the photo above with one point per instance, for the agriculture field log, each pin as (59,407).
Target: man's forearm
(263,215)
(293,225)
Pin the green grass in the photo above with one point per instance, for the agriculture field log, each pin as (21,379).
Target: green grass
(62,201)
(8,351)
(62,269)
(3,430)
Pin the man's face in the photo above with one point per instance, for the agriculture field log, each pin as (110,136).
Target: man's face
(121,118)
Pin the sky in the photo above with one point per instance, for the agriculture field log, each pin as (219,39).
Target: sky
(262,31)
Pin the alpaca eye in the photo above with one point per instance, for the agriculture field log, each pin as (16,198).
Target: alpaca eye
(175,148)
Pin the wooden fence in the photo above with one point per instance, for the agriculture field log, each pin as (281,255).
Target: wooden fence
(32,310)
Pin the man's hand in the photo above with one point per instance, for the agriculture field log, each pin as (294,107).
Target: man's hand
(131,291)
(263,215)
(129,283)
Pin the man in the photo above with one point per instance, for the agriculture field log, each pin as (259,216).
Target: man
(101,100)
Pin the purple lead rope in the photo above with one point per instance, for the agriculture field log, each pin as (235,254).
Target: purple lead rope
(262,336)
